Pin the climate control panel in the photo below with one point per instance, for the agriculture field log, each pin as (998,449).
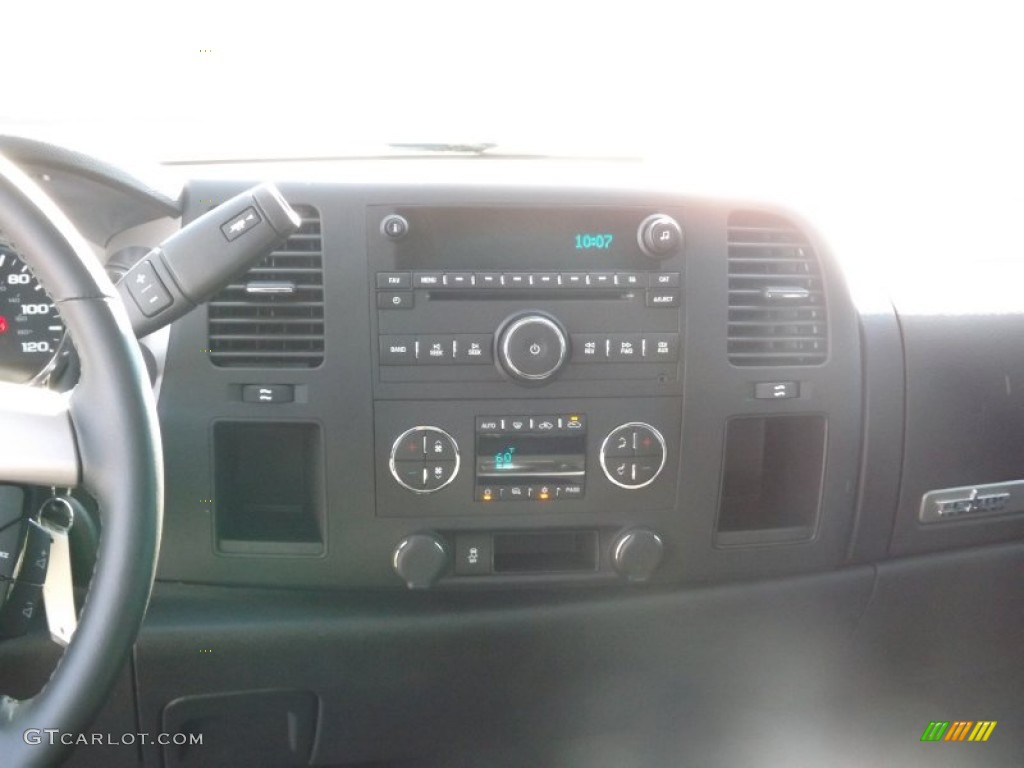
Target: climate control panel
(449,459)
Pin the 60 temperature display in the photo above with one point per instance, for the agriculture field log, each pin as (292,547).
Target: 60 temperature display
(30,326)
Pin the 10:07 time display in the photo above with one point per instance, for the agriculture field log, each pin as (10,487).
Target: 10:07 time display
(586,241)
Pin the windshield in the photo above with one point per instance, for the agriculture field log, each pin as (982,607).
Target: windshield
(912,104)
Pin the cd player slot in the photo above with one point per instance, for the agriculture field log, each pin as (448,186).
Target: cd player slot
(518,294)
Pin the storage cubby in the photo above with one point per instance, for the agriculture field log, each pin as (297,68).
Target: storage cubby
(772,480)
(269,488)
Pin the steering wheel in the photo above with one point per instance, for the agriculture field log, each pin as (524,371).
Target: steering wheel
(102,436)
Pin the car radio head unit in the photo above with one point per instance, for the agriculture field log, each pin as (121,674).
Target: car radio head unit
(459,238)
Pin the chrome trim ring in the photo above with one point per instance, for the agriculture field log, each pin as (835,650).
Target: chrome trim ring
(661,466)
(424,430)
(515,326)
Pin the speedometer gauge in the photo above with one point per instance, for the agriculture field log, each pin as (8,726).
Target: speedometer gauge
(30,327)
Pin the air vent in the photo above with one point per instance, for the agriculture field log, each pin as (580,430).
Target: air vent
(273,315)
(777,313)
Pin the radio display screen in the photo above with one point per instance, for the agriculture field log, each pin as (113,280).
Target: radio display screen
(520,238)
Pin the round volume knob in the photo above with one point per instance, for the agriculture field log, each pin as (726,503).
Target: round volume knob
(420,559)
(637,553)
(660,236)
(531,348)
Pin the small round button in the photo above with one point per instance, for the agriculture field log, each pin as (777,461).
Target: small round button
(394,227)
(532,347)
(660,236)
(424,459)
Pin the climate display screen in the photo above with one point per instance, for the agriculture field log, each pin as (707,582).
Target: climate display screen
(531,458)
(535,456)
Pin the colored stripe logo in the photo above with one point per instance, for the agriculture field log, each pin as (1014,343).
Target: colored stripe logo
(958,730)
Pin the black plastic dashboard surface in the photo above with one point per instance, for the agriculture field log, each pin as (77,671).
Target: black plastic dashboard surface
(353,407)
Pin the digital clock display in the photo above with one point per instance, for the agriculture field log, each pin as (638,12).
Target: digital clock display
(588,241)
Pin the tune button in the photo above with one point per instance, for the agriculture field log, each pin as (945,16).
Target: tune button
(633,455)
(659,236)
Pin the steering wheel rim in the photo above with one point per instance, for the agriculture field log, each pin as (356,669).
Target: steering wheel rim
(105,437)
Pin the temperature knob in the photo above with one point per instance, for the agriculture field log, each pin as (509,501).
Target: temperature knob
(420,559)
(633,455)
(637,553)
(532,347)
(424,459)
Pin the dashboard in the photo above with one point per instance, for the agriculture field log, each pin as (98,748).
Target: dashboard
(477,387)
(570,401)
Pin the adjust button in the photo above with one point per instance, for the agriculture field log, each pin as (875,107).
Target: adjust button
(660,298)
